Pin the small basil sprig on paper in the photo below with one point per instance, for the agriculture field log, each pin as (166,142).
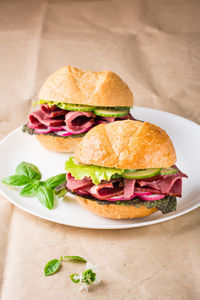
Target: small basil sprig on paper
(88,276)
(28,175)
(53,265)
(74,258)
(85,278)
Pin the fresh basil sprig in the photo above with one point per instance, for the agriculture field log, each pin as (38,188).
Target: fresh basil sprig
(28,175)
(54,265)
(87,277)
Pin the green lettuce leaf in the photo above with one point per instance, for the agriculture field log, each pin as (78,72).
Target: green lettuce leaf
(96,173)
(50,103)
(70,106)
(64,105)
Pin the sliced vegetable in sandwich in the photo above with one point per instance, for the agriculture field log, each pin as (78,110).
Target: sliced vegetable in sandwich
(73,101)
(125,170)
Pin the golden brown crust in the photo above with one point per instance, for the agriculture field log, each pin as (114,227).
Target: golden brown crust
(126,145)
(58,144)
(73,85)
(113,211)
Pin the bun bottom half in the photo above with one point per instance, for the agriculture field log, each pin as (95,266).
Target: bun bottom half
(113,211)
(58,144)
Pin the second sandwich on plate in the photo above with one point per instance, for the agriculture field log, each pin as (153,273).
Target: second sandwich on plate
(72,101)
(125,170)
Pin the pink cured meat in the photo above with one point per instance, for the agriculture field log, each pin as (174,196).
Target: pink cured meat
(35,124)
(112,119)
(75,185)
(53,111)
(105,191)
(167,184)
(129,186)
(131,117)
(146,190)
(74,122)
(41,117)
(78,120)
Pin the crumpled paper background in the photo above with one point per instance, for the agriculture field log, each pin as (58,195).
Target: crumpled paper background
(154,46)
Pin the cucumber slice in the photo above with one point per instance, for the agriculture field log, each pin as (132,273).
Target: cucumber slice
(76,107)
(168,171)
(111,112)
(139,174)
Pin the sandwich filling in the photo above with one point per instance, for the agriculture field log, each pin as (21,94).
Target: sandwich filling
(110,185)
(63,119)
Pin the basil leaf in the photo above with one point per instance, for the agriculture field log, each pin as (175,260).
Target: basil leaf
(46,196)
(60,190)
(29,170)
(88,276)
(52,267)
(29,190)
(75,278)
(54,181)
(17,180)
(75,258)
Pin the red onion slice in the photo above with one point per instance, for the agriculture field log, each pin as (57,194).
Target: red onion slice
(43,131)
(82,193)
(63,133)
(120,198)
(77,132)
(142,193)
(152,197)
(54,128)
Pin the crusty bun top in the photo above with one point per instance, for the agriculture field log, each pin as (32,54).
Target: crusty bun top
(126,145)
(73,85)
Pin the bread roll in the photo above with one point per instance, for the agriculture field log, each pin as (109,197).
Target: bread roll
(126,145)
(58,144)
(73,85)
(113,211)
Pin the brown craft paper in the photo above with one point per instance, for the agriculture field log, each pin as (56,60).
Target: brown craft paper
(154,46)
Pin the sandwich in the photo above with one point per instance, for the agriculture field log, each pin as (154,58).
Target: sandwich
(125,170)
(72,101)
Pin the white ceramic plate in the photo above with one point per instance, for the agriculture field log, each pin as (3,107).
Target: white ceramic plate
(17,147)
